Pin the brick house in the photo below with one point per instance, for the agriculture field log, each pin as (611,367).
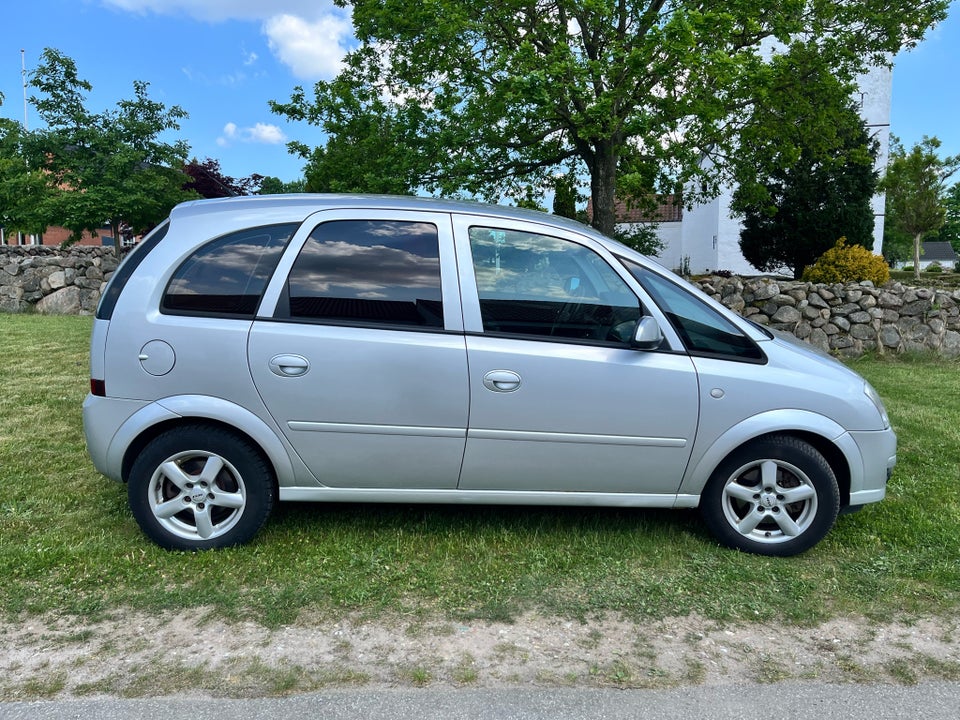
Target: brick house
(55,236)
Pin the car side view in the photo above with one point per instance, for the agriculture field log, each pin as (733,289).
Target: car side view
(388,349)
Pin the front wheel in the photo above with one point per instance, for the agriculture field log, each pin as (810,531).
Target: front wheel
(776,496)
(198,487)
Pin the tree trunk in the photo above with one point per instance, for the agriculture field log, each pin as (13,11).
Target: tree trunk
(916,255)
(603,188)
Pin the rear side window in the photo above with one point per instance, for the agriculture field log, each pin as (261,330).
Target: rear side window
(370,272)
(227,276)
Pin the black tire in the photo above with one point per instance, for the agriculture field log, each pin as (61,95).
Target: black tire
(776,496)
(198,487)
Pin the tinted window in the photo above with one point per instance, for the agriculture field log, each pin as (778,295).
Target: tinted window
(120,276)
(702,329)
(369,271)
(227,276)
(531,284)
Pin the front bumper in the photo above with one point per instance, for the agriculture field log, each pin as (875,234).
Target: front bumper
(878,453)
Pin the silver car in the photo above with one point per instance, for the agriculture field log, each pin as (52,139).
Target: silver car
(387,349)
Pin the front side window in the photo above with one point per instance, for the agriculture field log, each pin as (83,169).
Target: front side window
(532,284)
(227,276)
(379,272)
(703,330)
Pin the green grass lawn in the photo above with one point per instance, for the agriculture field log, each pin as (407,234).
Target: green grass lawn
(69,545)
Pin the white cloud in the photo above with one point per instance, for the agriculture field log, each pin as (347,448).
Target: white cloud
(308,36)
(261,133)
(312,50)
(266,134)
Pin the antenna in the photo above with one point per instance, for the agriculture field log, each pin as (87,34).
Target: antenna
(23,74)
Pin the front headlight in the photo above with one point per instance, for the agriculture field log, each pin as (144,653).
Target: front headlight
(877,403)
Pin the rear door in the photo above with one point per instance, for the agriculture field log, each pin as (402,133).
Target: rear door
(359,353)
(560,402)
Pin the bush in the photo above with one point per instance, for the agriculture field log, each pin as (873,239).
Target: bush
(934,267)
(847,263)
(907,268)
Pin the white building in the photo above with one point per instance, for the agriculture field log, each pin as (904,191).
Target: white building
(708,238)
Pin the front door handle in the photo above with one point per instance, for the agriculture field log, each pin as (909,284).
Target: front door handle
(289,365)
(501,381)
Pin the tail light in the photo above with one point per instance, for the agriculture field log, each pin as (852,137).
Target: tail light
(98,387)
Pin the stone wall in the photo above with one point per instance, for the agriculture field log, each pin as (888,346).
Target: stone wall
(844,319)
(54,281)
(848,319)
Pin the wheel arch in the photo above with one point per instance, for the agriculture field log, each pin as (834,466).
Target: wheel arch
(158,417)
(825,435)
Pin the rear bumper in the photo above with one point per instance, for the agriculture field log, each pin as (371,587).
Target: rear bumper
(102,418)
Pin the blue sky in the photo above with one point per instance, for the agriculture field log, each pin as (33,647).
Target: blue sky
(222,60)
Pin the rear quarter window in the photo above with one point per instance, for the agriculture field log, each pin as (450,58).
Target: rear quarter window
(123,273)
(227,276)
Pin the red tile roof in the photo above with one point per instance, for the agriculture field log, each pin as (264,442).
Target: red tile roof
(669,209)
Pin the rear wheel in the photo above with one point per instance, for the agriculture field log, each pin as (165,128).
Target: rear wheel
(197,487)
(776,496)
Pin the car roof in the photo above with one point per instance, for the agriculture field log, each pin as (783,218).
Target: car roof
(302,204)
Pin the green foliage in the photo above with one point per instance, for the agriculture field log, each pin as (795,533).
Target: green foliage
(109,166)
(454,96)
(374,146)
(848,263)
(934,267)
(915,184)
(23,189)
(642,237)
(801,188)
(950,231)
(275,186)
(565,195)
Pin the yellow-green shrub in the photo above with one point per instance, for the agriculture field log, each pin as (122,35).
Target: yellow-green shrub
(847,263)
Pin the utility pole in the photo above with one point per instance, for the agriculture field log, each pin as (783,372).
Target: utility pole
(23,74)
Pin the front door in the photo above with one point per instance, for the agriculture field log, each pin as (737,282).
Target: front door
(559,400)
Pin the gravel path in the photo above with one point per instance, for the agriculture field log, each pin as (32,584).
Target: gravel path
(143,656)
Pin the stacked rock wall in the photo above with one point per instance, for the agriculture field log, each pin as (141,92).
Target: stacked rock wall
(54,281)
(848,319)
(844,319)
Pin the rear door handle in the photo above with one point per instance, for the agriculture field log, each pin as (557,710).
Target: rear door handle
(289,365)
(501,380)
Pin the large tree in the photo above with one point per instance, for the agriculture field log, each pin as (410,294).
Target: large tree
(486,97)
(110,167)
(916,185)
(803,183)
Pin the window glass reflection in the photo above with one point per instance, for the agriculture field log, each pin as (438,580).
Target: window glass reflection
(531,284)
(227,276)
(385,272)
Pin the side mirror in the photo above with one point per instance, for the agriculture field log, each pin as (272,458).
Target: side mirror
(647,335)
